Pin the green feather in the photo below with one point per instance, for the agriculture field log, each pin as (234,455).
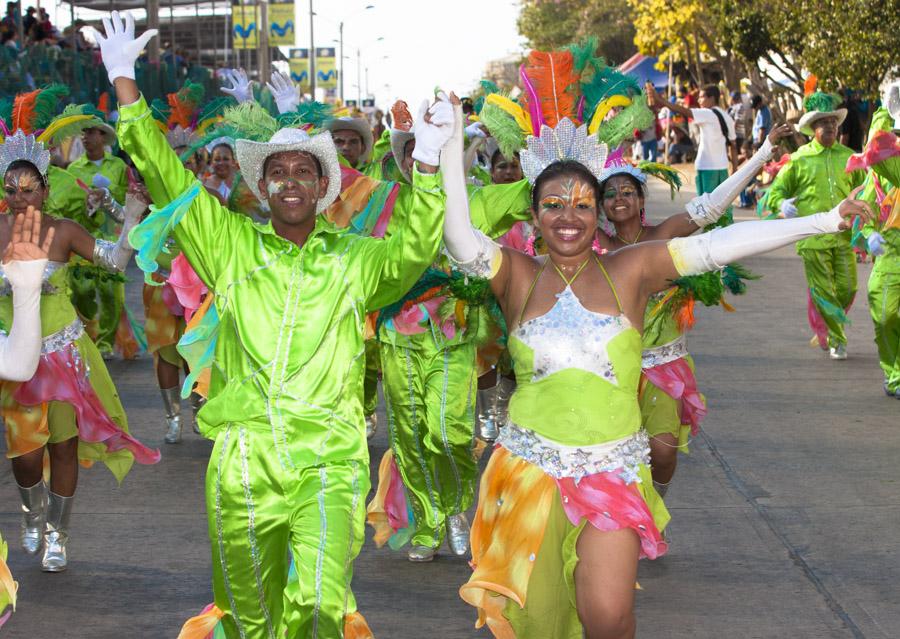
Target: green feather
(605,82)
(6,107)
(583,52)
(504,129)
(253,121)
(314,113)
(221,130)
(160,110)
(214,108)
(621,127)
(734,276)
(45,105)
(489,87)
(663,172)
(820,101)
(75,128)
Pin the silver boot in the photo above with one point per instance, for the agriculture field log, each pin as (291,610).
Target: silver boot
(33,504)
(56,533)
(197,402)
(493,408)
(371,425)
(458,534)
(420,554)
(172,402)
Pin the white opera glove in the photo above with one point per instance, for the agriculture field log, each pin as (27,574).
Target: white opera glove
(714,250)
(471,252)
(788,208)
(21,349)
(119,48)
(241,88)
(115,256)
(708,208)
(284,92)
(475,130)
(875,244)
(431,136)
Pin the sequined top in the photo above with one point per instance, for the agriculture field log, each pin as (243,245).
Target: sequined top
(661,338)
(57,311)
(577,373)
(289,357)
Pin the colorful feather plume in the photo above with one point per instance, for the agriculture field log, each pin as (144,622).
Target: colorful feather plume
(809,85)
(663,172)
(820,101)
(183,105)
(615,130)
(103,103)
(507,122)
(554,82)
(35,110)
(307,113)
(583,53)
(605,83)
(74,119)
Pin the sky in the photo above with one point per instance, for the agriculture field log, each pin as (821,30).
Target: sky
(426,43)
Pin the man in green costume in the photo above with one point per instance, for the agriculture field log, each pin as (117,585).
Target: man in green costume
(883,239)
(289,470)
(103,202)
(814,181)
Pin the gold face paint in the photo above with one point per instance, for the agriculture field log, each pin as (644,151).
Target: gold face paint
(625,191)
(572,193)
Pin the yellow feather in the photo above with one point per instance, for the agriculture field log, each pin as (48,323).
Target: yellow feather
(56,125)
(604,107)
(522,118)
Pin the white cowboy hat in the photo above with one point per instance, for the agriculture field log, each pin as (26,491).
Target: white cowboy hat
(251,157)
(360,126)
(398,143)
(819,106)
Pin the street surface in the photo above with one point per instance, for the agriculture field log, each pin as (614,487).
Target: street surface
(785,514)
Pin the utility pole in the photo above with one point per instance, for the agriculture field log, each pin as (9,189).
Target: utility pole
(312,53)
(341,71)
(263,51)
(358,78)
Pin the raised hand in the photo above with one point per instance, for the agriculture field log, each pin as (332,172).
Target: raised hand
(401,117)
(24,243)
(285,93)
(118,46)
(852,208)
(433,129)
(241,88)
(780,132)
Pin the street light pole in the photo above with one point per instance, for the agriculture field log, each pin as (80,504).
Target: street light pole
(358,78)
(341,72)
(312,53)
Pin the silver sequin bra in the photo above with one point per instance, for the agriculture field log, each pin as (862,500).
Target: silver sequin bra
(46,287)
(571,336)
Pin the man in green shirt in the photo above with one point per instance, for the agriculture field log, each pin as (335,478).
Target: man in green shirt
(98,161)
(814,181)
(289,470)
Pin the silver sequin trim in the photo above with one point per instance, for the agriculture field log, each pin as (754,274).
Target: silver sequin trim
(221,537)
(320,558)
(444,438)
(62,338)
(676,349)
(625,455)
(251,531)
(482,264)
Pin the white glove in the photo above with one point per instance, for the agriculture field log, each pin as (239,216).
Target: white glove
(875,244)
(19,352)
(120,49)
(431,136)
(284,92)
(788,210)
(475,130)
(241,87)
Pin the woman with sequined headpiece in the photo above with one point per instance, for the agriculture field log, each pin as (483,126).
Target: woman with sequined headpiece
(69,408)
(671,406)
(567,504)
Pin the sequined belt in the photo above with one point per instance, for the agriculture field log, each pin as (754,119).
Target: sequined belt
(558,461)
(676,349)
(62,338)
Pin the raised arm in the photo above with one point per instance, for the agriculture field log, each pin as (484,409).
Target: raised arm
(205,233)
(663,262)
(707,208)
(23,265)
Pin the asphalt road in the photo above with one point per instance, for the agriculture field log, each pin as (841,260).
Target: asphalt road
(785,514)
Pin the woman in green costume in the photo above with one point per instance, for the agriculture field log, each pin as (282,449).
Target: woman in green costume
(69,408)
(567,505)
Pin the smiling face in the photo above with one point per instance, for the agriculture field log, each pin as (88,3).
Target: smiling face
(566,214)
(23,187)
(825,130)
(223,162)
(622,199)
(292,184)
(349,143)
(505,171)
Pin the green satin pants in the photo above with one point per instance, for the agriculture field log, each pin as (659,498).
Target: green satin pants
(884,305)
(259,515)
(112,303)
(430,397)
(832,274)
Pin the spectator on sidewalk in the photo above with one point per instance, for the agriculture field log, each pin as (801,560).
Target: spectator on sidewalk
(741,116)
(762,123)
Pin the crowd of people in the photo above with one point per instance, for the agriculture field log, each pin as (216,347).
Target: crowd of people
(493,268)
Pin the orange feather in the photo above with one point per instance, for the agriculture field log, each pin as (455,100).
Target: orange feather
(684,317)
(553,75)
(103,102)
(181,113)
(23,111)
(809,86)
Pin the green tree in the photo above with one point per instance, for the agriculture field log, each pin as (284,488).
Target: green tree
(551,24)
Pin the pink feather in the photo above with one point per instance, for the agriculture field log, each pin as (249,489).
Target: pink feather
(534,102)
